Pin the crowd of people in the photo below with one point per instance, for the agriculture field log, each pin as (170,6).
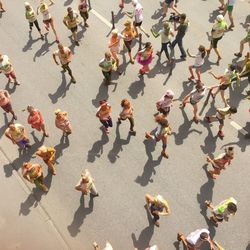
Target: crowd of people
(171,34)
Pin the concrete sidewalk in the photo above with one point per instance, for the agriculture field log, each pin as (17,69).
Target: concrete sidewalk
(17,230)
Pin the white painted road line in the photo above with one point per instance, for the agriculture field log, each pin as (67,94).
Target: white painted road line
(239,128)
(103,19)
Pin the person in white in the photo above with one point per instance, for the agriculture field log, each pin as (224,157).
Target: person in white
(108,246)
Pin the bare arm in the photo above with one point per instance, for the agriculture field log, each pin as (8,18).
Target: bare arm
(54,57)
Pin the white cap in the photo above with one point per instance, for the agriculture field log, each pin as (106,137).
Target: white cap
(114,31)
(220,18)
(26,4)
(134,2)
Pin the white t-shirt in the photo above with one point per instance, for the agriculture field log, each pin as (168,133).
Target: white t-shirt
(46,15)
(5,65)
(164,38)
(231,2)
(198,60)
(197,96)
(194,237)
(108,246)
(138,13)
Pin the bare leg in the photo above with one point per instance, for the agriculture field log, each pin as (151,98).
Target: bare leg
(144,31)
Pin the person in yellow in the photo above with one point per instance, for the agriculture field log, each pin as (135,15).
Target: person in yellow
(217,33)
(157,206)
(18,135)
(32,18)
(71,21)
(48,154)
(33,173)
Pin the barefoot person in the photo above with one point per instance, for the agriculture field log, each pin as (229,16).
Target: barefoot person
(62,122)
(65,56)
(36,120)
(83,10)
(5,103)
(219,163)
(157,206)
(144,58)
(222,211)
(33,173)
(48,154)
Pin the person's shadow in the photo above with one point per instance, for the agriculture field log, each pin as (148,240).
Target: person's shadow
(80,215)
(68,2)
(97,148)
(64,143)
(136,88)
(213,15)
(145,236)
(61,90)
(10,87)
(113,154)
(150,165)
(30,42)
(101,95)
(5,126)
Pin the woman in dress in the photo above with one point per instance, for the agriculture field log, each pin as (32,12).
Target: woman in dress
(145,57)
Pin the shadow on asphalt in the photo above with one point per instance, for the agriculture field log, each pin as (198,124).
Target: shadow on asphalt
(64,143)
(136,88)
(30,42)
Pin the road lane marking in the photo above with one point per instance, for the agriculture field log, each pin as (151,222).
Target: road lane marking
(239,128)
(103,19)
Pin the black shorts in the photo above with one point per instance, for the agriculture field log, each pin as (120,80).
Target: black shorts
(128,45)
(74,29)
(84,15)
(223,87)
(221,121)
(214,42)
(137,24)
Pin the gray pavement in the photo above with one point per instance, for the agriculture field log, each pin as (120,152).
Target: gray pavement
(125,168)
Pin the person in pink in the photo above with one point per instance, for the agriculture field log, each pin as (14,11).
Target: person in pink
(164,104)
(62,122)
(145,57)
(36,120)
(5,103)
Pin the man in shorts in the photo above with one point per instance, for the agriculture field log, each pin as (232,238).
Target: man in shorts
(244,40)
(217,33)
(107,64)
(65,57)
(71,22)
(5,103)
(229,9)
(7,68)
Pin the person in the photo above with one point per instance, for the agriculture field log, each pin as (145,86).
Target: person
(222,6)
(108,246)
(33,173)
(32,18)
(129,35)
(217,33)
(7,68)
(1,7)
(121,4)
(36,120)
(65,56)
(229,8)
(164,104)
(127,113)
(62,122)
(161,132)
(226,79)
(48,20)
(138,10)
(181,32)
(219,163)
(71,22)
(145,57)
(223,210)
(114,46)
(165,34)
(5,103)
(107,64)
(18,135)
(104,115)
(86,184)
(196,239)
(169,4)
(157,206)
(83,10)
(245,72)
(48,154)
(199,61)
(244,41)
(194,97)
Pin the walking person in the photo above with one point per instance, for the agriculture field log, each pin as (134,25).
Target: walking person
(160,133)
(104,115)
(71,21)
(220,162)
(199,61)
(169,4)
(196,239)
(157,206)
(245,72)
(129,35)
(62,122)
(217,33)
(244,41)
(165,34)
(7,68)
(107,64)
(108,246)
(48,154)
(33,173)
(86,184)
(83,10)
(223,210)
(220,117)
(1,7)
(65,56)
(18,135)
(5,103)
(32,18)
(145,57)
(127,113)
(48,20)
(229,9)
(181,32)
(138,10)
(36,120)
(165,103)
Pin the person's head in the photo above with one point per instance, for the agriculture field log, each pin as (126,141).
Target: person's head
(59,114)
(114,33)
(233,110)
(232,208)
(202,49)
(125,103)
(166,26)
(25,164)
(27,6)
(229,152)
(204,236)
(200,87)
(11,126)
(30,109)
(60,47)
(128,24)
(134,2)
(220,18)
(183,17)
(232,67)
(70,11)
(169,94)
(108,56)
(103,104)
(148,45)
(42,149)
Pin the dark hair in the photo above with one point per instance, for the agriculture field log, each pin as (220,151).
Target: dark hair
(233,110)
(69,9)
(202,49)
(183,16)
(148,44)
(232,66)
(230,148)
(231,207)
(204,236)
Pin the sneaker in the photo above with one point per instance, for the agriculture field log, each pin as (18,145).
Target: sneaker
(191,78)
(163,154)
(73,80)
(238,54)
(221,134)
(77,43)
(17,82)
(132,132)
(86,25)
(42,37)
(207,118)
(183,57)
(119,121)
